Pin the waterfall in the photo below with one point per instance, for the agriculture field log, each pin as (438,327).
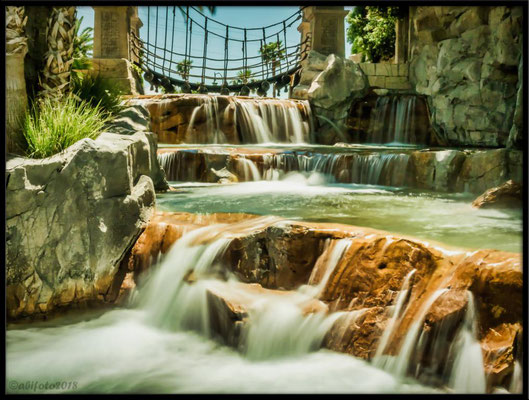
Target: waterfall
(327,263)
(209,108)
(270,120)
(394,119)
(468,375)
(397,313)
(389,169)
(516,385)
(399,365)
(250,171)
(278,328)
(175,298)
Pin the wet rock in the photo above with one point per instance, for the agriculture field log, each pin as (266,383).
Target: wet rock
(281,254)
(70,218)
(507,195)
(223,176)
(482,170)
(437,170)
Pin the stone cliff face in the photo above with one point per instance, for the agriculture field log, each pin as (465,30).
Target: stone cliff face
(468,61)
(364,284)
(71,217)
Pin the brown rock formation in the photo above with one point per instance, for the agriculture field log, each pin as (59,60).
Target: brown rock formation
(507,195)
(279,254)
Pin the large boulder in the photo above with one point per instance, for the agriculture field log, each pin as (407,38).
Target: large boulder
(135,118)
(71,218)
(330,84)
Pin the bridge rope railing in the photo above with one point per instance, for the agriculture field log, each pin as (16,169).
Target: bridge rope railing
(274,62)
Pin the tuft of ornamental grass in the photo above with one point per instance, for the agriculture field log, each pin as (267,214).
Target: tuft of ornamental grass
(53,125)
(98,91)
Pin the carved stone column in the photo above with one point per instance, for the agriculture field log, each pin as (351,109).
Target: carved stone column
(325,25)
(113,28)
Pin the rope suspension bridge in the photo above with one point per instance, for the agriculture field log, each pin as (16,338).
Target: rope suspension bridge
(254,59)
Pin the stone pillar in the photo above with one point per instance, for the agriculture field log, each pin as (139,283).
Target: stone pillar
(401,40)
(325,25)
(113,28)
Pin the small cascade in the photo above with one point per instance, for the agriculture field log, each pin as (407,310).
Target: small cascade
(279,328)
(468,374)
(378,360)
(388,169)
(250,172)
(381,169)
(327,263)
(176,297)
(209,108)
(272,121)
(398,118)
(399,365)
(516,385)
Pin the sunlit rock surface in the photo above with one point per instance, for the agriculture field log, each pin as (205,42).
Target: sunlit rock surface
(71,217)
(507,195)
(361,272)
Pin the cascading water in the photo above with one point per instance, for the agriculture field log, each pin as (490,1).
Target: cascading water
(209,108)
(379,168)
(379,360)
(468,374)
(399,365)
(394,119)
(272,121)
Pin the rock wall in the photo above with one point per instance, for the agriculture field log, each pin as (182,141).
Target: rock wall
(467,60)
(70,218)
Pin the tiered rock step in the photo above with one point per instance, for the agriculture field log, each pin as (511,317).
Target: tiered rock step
(275,256)
(199,118)
(444,170)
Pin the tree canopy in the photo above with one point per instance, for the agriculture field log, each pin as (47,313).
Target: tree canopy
(371,31)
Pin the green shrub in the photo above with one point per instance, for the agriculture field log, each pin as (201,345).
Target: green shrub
(53,125)
(371,31)
(98,92)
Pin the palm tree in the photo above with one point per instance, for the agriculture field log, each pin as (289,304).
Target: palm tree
(16,96)
(60,35)
(272,54)
(183,68)
(83,44)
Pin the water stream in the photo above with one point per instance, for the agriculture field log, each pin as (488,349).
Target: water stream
(163,344)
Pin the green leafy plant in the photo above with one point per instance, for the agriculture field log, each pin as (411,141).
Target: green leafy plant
(183,68)
(83,44)
(98,91)
(272,54)
(371,31)
(243,77)
(53,125)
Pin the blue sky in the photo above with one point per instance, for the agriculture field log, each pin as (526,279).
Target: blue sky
(244,17)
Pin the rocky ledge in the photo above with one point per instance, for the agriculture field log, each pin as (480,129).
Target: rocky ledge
(282,255)
(70,219)
(444,170)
